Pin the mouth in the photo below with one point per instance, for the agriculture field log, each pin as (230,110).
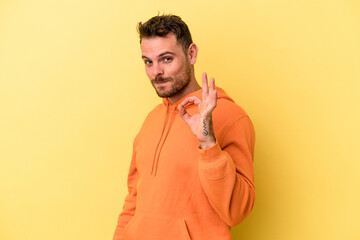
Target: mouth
(161,83)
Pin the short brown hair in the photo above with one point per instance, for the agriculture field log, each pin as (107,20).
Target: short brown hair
(160,26)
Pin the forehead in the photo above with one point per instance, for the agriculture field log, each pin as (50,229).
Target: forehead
(154,46)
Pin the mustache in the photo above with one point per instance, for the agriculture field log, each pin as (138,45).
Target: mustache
(160,80)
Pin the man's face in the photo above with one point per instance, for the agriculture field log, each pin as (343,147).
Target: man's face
(166,65)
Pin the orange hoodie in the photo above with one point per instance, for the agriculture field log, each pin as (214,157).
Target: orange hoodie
(177,190)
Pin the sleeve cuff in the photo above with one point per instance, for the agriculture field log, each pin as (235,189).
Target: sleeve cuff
(211,153)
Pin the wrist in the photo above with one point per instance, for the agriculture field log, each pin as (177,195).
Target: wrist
(208,143)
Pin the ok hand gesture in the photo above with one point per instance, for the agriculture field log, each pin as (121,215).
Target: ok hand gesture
(201,123)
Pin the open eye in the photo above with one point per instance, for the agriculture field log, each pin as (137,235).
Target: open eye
(167,59)
(147,62)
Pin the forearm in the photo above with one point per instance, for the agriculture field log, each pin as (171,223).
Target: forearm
(231,193)
(226,172)
(125,216)
(207,140)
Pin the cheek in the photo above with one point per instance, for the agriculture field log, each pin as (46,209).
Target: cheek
(176,70)
(148,72)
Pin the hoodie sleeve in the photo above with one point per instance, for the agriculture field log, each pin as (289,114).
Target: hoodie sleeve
(226,172)
(130,201)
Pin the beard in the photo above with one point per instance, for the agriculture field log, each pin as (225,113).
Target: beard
(178,83)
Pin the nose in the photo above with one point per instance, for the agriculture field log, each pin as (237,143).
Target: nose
(157,70)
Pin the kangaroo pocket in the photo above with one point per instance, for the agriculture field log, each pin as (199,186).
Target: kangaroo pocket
(155,227)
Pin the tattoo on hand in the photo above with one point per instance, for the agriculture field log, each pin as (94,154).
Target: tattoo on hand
(205,132)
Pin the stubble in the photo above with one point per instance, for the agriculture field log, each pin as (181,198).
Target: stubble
(179,83)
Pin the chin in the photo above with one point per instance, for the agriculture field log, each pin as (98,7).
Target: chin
(161,92)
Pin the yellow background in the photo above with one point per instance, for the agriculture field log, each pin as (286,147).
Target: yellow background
(73,94)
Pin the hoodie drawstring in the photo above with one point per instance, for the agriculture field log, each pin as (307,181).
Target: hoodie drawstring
(169,118)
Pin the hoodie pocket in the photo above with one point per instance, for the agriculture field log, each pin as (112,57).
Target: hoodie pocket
(155,227)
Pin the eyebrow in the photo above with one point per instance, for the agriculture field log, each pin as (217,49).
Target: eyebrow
(162,54)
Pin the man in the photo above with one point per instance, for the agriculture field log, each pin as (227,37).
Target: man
(191,174)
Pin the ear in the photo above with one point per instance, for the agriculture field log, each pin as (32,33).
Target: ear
(192,53)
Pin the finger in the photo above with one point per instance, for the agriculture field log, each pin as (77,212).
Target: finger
(183,113)
(211,104)
(214,98)
(212,85)
(205,90)
(193,99)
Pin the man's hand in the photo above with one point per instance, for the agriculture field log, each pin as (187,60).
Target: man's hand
(201,123)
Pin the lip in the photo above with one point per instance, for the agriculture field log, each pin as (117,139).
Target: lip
(161,83)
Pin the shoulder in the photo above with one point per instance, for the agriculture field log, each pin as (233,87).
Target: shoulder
(227,111)
(226,107)
(229,117)
(156,111)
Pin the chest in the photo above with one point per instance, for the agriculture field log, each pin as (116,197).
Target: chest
(166,148)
